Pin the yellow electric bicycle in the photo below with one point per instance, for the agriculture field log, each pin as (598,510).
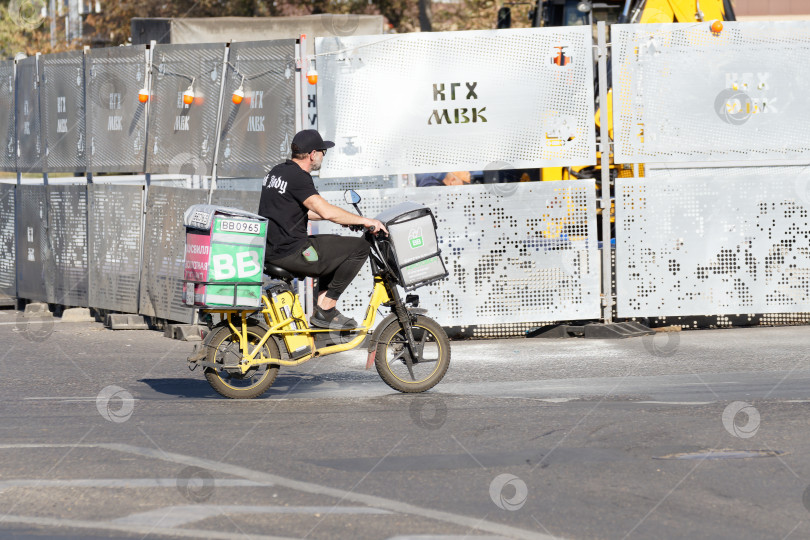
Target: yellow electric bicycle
(241,355)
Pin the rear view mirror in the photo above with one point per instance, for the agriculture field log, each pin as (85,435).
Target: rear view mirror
(351,196)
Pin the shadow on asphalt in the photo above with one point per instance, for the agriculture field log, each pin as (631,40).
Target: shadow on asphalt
(181,388)
(284,385)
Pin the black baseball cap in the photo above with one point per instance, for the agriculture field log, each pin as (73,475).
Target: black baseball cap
(308,140)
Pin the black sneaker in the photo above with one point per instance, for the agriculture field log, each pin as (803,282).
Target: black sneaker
(331,318)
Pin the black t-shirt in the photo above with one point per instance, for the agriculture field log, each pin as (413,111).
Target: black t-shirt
(284,190)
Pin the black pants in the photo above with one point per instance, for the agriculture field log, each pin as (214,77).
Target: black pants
(340,258)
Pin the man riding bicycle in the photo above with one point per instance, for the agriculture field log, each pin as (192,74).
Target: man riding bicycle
(288,201)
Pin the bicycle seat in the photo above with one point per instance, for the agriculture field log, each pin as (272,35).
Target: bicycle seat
(278,272)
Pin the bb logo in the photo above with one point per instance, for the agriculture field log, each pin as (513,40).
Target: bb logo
(247,265)
(415,238)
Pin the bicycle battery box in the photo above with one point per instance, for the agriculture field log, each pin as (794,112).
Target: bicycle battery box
(412,247)
(224,257)
(286,305)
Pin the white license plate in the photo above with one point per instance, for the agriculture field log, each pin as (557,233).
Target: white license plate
(236,226)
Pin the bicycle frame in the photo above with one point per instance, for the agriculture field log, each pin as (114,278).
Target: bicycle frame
(249,360)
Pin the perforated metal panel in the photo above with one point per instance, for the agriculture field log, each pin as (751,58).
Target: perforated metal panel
(244,184)
(321,184)
(182,137)
(682,93)
(29,120)
(256,134)
(724,172)
(363,182)
(8,134)
(243,200)
(115,216)
(428,102)
(8,252)
(705,246)
(67,234)
(164,244)
(62,101)
(116,120)
(171,182)
(35,268)
(515,252)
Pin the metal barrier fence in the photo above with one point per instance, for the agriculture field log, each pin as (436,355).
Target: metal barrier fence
(8,127)
(469,100)
(83,245)
(122,109)
(475,104)
(35,274)
(182,135)
(533,258)
(51,253)
(63,112)
(163,247)
(114,242)
(29,119)
(683,93)
(67,207)
(516,253)
(260,133)
(707,235)
(8,247)
(688,246)
(689,241)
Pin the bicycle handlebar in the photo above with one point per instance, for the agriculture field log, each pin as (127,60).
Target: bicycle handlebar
(356,228)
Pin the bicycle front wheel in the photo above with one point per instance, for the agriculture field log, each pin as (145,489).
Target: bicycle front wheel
(432,356)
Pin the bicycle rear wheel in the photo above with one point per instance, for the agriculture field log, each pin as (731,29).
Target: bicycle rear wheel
(229,381)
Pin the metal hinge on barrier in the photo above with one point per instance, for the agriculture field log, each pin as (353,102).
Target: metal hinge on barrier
(599,202)
(600,52)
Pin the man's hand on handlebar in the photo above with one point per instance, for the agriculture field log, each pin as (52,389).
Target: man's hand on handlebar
(376,226)
(372,225)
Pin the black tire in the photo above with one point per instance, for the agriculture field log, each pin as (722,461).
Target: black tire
(224,348)
(391,352)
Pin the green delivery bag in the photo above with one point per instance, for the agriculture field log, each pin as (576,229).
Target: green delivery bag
(224,257)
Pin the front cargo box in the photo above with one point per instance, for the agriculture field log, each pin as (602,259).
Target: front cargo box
(412,245)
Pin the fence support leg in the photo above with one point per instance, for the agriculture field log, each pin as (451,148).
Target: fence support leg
(20,303)
(604,148)
(214,167)
(305,286)
(147,179)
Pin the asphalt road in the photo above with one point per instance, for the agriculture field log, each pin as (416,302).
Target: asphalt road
(699,434)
